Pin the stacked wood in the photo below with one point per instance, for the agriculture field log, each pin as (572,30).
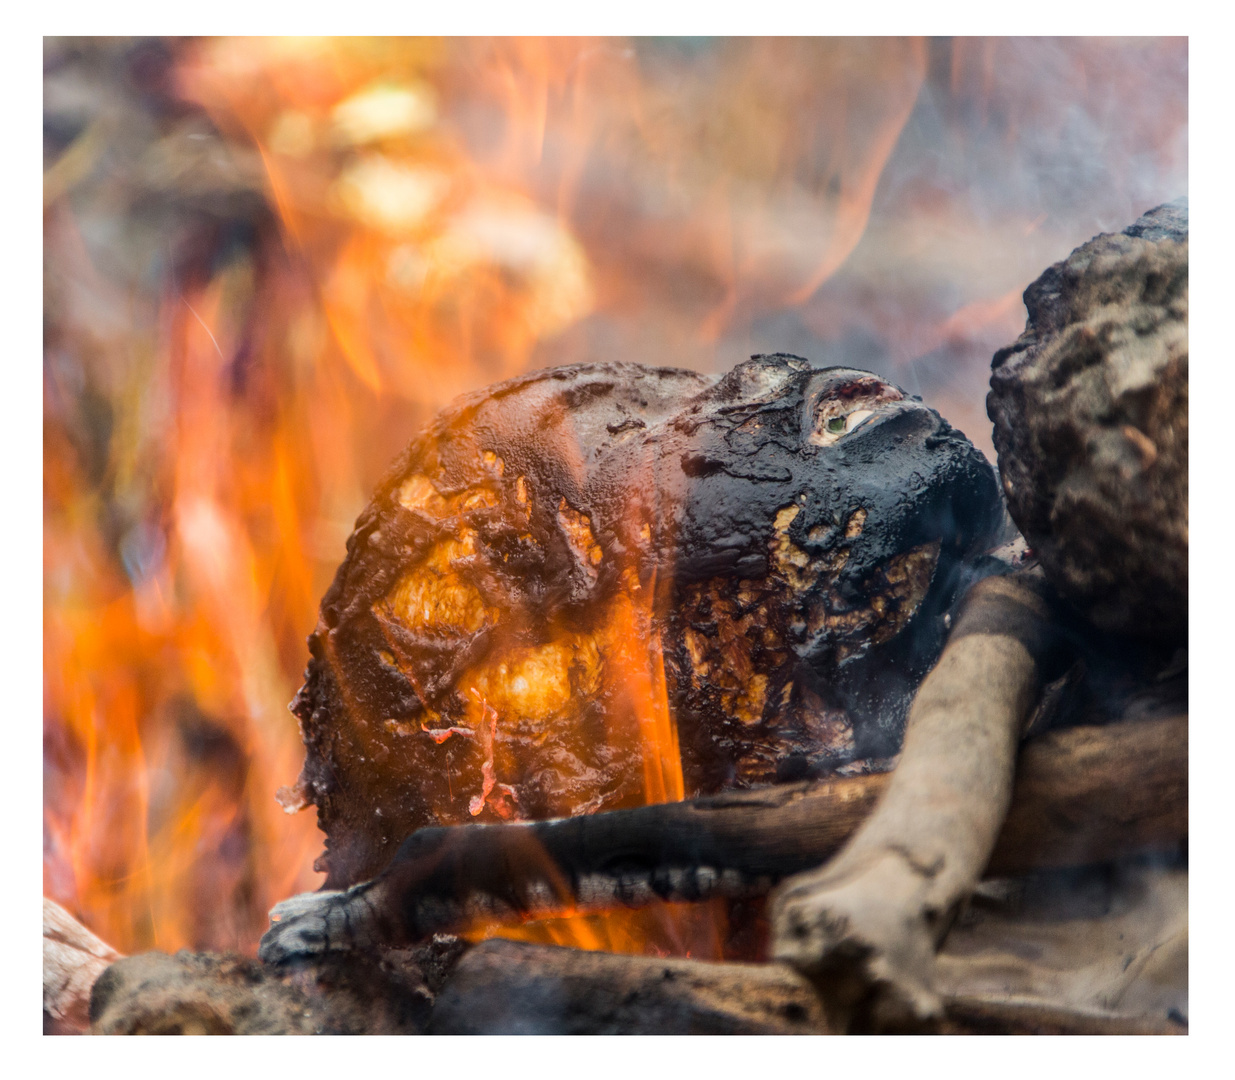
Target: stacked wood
(1081,796)
(1062,952)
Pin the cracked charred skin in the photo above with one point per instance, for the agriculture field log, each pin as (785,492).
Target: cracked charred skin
(600,586)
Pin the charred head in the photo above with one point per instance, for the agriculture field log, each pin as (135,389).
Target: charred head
(603,585)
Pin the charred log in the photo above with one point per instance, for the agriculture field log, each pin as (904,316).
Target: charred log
(1081,796)
(505,987)
(379,993)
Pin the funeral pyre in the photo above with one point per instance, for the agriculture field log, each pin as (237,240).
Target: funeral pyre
(258,255)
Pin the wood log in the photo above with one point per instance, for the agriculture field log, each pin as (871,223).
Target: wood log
(73,959)
(511,988)
(1086,794)
(866,926)
(384,993)
(1080,796)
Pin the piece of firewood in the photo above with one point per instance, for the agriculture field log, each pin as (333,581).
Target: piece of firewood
(740,844)
(389,992)
(73,958)
(509,987)
(1088,794)
(866,926)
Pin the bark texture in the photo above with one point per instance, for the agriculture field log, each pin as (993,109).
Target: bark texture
(365,993)
(1090,407)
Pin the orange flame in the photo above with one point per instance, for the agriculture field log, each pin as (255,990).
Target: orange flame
(412,268)
(442,220)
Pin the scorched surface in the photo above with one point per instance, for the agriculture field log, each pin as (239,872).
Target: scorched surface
(575,580)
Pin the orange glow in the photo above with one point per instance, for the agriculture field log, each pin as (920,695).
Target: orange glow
(634,631)
(441,215)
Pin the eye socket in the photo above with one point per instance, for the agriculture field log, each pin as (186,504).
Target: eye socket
(839,404)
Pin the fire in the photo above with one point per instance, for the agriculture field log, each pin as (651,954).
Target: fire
(445,214)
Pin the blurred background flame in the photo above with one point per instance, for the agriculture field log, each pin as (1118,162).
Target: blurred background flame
(268,260)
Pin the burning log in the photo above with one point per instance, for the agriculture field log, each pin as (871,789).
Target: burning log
(1112,966)
(1081,795)
(607,585)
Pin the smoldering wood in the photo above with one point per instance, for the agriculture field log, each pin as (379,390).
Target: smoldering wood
(1081,795)
(386,992)
(1088,794)
(499,986)
(504,987)
(508,987)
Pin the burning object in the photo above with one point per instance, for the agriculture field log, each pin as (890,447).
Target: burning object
(136,889)
(1090,408)
(866,927)
(601,586)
